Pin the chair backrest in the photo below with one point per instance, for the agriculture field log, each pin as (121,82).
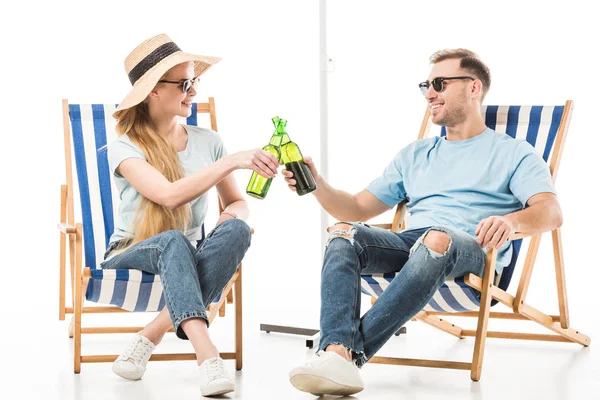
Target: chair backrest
(545,128)
(88,128)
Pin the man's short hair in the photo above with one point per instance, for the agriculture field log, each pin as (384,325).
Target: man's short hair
(469,61)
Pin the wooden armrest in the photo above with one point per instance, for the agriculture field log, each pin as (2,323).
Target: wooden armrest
(520,235)
(67,229)
(384,226)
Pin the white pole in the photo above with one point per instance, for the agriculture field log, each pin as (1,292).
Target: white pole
(324,65)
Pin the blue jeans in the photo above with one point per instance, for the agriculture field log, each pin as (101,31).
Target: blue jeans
(370,250)
(191,277)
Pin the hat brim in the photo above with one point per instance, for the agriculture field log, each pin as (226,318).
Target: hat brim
(143,86)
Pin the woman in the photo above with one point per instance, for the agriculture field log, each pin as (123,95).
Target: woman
(163,171)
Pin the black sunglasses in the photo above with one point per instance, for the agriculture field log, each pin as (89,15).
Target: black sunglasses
(186,85)
(438,83)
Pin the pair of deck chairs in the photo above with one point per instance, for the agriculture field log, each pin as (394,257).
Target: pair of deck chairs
(87,130)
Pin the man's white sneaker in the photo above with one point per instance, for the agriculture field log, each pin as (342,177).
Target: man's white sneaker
(327,373)
(131,364)
(213,379)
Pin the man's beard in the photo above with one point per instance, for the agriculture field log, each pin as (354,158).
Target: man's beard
(452,117)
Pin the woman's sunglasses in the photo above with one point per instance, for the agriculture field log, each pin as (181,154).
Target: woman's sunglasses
(438,83)
(186,85)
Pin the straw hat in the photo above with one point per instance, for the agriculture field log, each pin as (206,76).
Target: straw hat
(148,62)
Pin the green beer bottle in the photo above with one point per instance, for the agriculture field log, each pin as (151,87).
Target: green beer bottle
(259,185)
(293,160)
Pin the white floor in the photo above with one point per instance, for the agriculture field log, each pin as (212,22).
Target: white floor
(40,365)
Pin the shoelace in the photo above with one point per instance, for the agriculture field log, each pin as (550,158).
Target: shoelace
(214,369)
(136,353)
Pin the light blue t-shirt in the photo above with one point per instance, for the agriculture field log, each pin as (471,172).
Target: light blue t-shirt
(456,184)
(203,148)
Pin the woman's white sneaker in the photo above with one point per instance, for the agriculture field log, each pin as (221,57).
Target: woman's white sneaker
(131,364)
(327,373)
(213,378)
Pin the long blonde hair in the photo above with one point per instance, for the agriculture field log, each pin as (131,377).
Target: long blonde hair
(152,218)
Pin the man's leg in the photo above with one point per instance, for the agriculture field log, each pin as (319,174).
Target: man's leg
(351,248)
(440,253)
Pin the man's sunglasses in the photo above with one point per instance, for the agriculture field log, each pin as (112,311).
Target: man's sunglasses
(438,83)
(186,85)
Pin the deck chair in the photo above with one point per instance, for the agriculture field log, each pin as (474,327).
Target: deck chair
(545,128)
(87,129)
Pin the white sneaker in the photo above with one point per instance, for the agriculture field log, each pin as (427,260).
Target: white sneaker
(327,373)
(131,364)
(213,379)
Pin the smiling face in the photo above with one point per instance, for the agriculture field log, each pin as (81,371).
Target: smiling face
(170,97)
(458,98)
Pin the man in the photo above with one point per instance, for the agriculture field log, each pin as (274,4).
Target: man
(465,193)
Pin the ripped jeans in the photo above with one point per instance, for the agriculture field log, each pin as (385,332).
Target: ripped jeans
(367,250)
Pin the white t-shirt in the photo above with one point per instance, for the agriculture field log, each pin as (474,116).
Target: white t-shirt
(203,148)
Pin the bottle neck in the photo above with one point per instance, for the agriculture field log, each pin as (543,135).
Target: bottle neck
(279,139)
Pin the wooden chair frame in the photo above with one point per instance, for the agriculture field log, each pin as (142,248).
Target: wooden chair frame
(72,232)
(559,324)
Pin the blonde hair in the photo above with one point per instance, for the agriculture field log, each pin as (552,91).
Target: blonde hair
(152,218)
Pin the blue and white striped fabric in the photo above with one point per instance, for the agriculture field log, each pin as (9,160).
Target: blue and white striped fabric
(92,127)
(539,126)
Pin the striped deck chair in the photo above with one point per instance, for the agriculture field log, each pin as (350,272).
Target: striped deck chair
(87,129)
(545,128)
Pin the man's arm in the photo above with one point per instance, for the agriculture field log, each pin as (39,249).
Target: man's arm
(542,214)
(344,206)
(340,204)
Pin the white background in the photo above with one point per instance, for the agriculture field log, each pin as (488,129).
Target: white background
(538,52)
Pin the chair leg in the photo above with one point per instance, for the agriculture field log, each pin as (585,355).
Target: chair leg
(561,283)
(71,325)
(238,320)
(77,302)
(484,314)
(63,258)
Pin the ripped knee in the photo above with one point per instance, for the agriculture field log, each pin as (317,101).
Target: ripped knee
(341,230)
(436,241)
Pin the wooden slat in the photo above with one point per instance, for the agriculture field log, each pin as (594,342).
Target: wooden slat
(68,164)
(238,320)
(383,226)
(213,114)
(496,315)
(62,255)
(203,108)
(531,313)
(519,335)
(98,310)
(77,300)
(67,229)
(561,282)
(154,357)
(534,245)
(421,363)
(215,307)
(545,320)
(561,136)
(484,310)
(440,324)
(519,235)
(476,283)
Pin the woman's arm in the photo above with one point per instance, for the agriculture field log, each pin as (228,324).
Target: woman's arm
(150,183)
